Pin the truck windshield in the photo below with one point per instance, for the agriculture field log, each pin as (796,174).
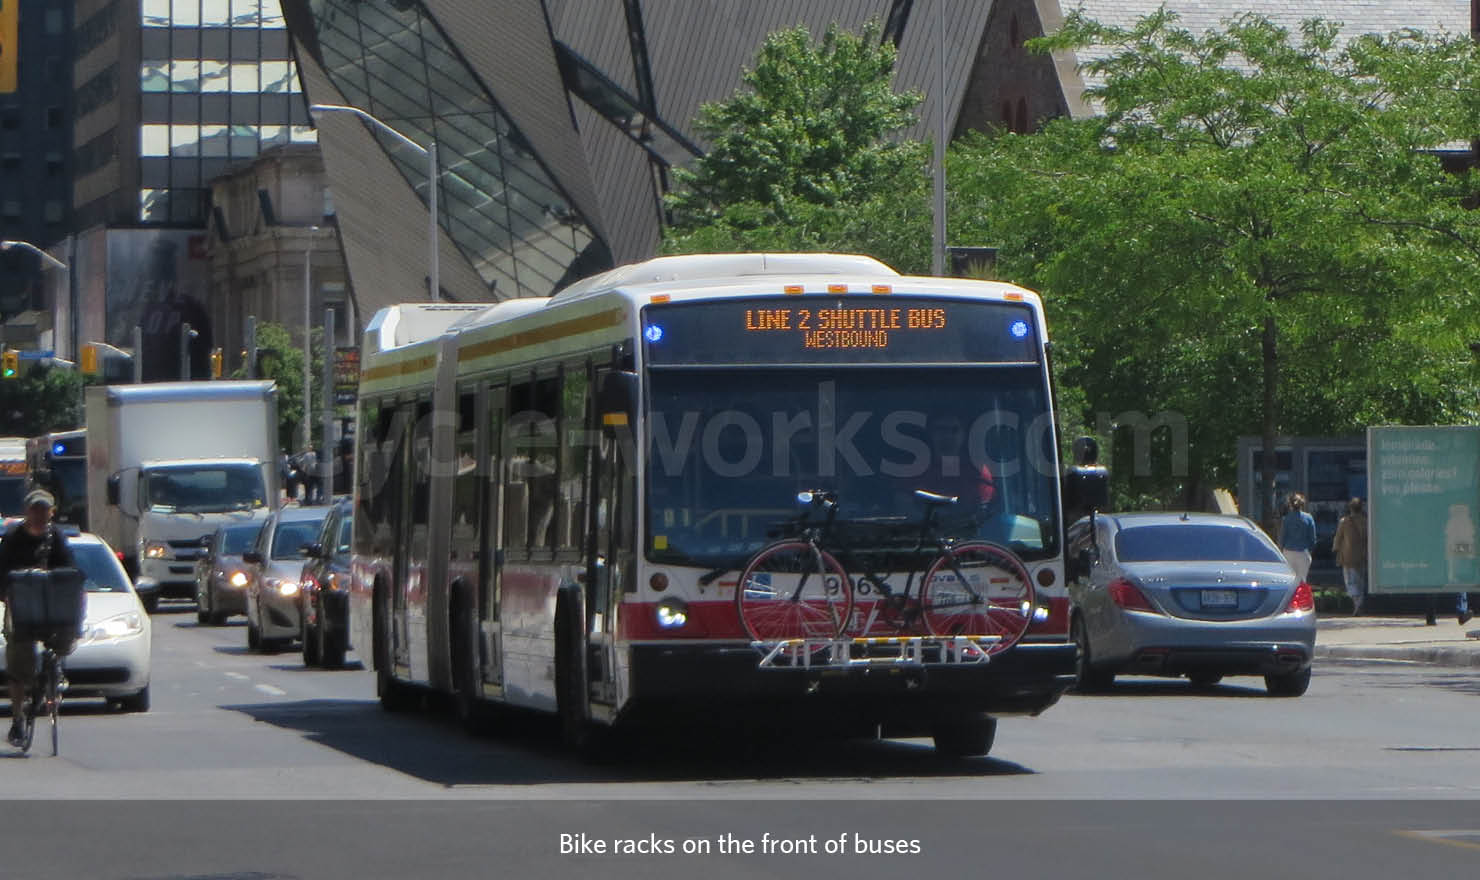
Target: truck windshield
(204,488)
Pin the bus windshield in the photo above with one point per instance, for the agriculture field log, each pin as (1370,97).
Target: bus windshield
(204,488)
(729,449)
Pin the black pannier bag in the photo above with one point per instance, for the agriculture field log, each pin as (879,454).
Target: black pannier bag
(48,605)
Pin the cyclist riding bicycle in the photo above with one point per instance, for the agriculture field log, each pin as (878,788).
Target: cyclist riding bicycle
(32,543)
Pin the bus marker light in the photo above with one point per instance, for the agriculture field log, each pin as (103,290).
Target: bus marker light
(614,418)
(793,289)
(1013,295)
(837,288)
(882,288)
(659,298)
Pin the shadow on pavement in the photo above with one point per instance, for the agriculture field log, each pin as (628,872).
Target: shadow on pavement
(525,749)
(1246,687)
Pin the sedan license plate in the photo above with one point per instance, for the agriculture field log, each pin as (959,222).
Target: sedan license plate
(1219,599)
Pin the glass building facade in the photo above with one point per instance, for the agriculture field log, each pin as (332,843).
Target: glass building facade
(496,201)
(217,85)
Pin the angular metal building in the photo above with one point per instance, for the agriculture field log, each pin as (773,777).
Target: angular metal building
(555,122)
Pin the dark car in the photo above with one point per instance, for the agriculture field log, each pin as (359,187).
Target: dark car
(221,575)
(324,594)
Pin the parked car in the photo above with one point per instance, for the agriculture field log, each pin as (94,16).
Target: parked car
(112,656)
(274,569)
(323,595)
(1195,594)
(221,575)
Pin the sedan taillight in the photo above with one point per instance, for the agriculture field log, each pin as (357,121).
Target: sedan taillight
(1303,600)
(1129,596)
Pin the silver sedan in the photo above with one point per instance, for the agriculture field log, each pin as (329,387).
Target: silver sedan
(1195,594)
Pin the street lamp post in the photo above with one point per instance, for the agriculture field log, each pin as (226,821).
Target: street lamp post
(308,339)
(430,151)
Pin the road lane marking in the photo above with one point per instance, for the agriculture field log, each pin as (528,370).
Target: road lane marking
(238,676)
(269,689)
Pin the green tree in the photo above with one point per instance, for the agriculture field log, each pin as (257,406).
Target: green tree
(801,157)
(1257,233)
(40,400)
(280,359)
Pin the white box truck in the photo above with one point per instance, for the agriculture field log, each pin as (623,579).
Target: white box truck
(169,462)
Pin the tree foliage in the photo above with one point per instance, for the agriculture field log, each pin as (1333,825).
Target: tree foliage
(1255,210)
(801,157)
(280,359)
(40,400)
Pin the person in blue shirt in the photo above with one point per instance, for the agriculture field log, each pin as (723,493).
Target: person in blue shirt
(1298,536)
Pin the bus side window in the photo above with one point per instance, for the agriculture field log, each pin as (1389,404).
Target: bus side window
(517,466)
(544,443)
(574,456)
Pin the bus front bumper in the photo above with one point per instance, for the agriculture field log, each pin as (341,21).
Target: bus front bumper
(728,679)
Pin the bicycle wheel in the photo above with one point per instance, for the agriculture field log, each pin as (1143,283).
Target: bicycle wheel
(54,697)
(978,589)
(793,590)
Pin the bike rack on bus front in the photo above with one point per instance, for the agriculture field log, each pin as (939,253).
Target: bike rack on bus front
(874,651)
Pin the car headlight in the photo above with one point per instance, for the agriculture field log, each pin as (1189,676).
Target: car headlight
(237,579)
(156,550)
(116,627)
(287,587)
(672,613)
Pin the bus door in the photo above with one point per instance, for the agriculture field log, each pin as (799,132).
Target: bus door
(610,555)
(411,611)
(491,552)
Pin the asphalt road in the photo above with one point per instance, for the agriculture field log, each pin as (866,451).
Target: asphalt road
(250,766)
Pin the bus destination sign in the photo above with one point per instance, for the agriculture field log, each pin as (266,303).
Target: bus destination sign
(852,330)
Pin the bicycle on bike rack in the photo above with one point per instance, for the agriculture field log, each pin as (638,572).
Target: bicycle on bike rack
(43,698)
(796,590)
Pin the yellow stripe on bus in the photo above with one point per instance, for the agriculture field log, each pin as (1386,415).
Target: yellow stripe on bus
(404,368)
(542,335)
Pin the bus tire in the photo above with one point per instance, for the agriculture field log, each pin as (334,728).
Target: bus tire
(463,627)
(576,728)
(393,695)
(966,736)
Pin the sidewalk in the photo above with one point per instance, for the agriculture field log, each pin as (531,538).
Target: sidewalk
(1399,638)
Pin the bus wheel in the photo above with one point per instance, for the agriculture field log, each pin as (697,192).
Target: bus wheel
(964,737)
(576,728)
(394,696)
(465,672)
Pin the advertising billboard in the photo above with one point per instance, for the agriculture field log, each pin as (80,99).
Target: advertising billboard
(1423,509)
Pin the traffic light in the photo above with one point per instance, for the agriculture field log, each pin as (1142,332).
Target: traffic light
(217,360)
(90,358)
(11,364)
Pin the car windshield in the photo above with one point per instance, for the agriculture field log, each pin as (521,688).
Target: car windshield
(292,537)
(1193,543)
(728,451)
(102,569)
(204,488)
(237,540)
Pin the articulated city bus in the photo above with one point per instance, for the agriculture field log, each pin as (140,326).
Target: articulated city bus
(554,497)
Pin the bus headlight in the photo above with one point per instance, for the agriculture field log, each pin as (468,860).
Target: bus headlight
(156,550)
(237,579)
(672,613)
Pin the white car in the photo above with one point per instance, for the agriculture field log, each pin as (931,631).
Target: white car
(111,659)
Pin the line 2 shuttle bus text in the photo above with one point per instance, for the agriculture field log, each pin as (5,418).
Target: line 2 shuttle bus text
(554,496)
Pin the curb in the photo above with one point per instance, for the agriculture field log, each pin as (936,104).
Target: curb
(1438,656)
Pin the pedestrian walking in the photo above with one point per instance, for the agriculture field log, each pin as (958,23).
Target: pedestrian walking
(1298,536)
(1350,547)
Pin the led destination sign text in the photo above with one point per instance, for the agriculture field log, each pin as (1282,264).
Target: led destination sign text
(913,329)
(844,328)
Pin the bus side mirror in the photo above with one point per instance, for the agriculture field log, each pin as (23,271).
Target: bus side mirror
(114,482)
(616,399)
(252,557)
(313,551)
